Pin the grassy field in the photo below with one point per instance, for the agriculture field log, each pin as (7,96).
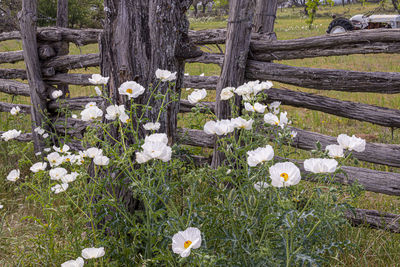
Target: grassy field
(372,247)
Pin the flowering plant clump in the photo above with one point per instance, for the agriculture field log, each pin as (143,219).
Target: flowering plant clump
(126,196)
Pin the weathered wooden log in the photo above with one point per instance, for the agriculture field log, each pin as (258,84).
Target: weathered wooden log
(218,36)
(11,57)
(374,219)
(337,50)
(329,40)
(386,154)
(4,36)
(14,87)
(207,58)
(325,79)
(72,61)
(265,14)
(69,78)
(27,19)
(6,107)
(13,74)
(199,82)
(347,109)
(46,52)
(233,68)
(196,138)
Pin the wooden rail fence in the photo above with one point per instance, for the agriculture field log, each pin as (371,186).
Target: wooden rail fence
(263,48)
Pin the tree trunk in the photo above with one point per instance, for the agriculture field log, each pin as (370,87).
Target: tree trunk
(140,37)
(27,18)
(233,68)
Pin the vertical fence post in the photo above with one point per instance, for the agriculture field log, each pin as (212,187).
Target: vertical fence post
(265,16)
(233,69)
(62,48)
(27,19)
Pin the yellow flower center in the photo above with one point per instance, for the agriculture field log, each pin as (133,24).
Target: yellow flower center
(187,244)
(277,122)
(68,159)
(285,176)
(129,91)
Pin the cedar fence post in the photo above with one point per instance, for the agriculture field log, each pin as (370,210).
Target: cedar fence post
(233,69)
(62,48)
(265,16)
(27,18)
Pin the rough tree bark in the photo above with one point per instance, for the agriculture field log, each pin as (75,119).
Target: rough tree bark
(139,37)
(27,18)
(265,16)
(233,68)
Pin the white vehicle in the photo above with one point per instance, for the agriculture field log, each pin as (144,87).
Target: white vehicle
(361,22)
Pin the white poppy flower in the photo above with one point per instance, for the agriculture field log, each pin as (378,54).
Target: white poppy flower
(249,90)
(54,159)
(142,157)
(59,188)
(98,91)
(273,119)
(244,91)
(13,175)
(63,149)
(74,116)
(93,253)
(184,241)
(131,89)
(260,155)
(69,177)
(209,127)
(274,107)
(91,113)
(57,173)
(257,107)
(335,151)
(38,153)
(202,75)
(259,186)
(224,127)
(91,104)
(284,174)
(124,118)
(197,95)
(115,111)
(157,150)
(319,165)
(39,130)
(351,143)
(93,152)
(98,79)
(11,134)
(293,134)
(165,75)
(56,94)
(79,262)
(150,126)
(70,158)
(1,206)
(157,137)
(241,123)
(39,166)
(227,93)
(101,160)
(45,135)
(48,149)
(15,110)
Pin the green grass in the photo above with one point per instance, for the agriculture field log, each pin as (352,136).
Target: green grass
(373,247)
